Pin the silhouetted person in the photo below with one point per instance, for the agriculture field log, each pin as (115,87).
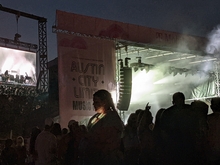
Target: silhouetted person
(67,146)
(139,113)
(9,155)
(72,152)
(158,138)
(104,132)
(146,139)
(46,145)
(56,130)
(213,146)
(130,141)
(35,131)
(175,129)
(64,131)
(20,150)
(198,131)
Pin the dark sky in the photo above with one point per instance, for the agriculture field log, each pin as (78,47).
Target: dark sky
(195,17)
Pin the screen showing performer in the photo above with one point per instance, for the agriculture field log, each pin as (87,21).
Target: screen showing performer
(17,67)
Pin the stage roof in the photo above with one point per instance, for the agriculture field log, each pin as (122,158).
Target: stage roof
(153,46)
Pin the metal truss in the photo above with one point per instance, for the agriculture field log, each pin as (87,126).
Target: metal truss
(43,75)
(5,42)
(55,29)
(42,85)
(217,76)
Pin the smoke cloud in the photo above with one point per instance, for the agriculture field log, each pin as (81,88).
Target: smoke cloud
(213,46)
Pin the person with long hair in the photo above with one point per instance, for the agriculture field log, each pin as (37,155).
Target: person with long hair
(20,150)
(104,132)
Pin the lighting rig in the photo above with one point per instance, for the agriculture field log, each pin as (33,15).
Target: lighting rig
(139,65)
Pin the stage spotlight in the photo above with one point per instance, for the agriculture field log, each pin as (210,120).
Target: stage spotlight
(135,69)
(147,69)
(142,68)
(175,72)
(16,37)
(170,70)
(186,74)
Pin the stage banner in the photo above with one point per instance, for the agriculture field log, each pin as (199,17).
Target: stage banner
(118,30)
(85,64)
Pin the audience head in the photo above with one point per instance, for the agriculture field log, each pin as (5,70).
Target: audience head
(56,129)
(200,107)
(64,131)
(19,141)
(158,117)
(83,128)
(8,143)
(35,131)
(72,125)
(48,123)
(132,120)
(102,101)
(215,104)
(159,114)
(139,113)
(178,98)
(149,117)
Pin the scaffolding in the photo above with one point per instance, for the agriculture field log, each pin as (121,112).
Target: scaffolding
(42,81)
(216,77)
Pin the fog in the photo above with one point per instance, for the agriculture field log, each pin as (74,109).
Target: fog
(195,77)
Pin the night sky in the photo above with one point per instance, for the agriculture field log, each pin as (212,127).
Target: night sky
(194,17)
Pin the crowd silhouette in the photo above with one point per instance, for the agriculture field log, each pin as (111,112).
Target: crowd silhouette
(182,134)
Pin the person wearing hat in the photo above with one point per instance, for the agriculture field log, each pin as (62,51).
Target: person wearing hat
(46,145)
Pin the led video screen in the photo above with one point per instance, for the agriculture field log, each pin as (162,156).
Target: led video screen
(17,67)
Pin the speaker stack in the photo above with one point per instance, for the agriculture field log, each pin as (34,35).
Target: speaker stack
(125,87)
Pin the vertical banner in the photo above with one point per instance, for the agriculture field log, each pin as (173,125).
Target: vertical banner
(85,64)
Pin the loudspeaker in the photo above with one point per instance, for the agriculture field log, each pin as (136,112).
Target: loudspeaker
(125,87)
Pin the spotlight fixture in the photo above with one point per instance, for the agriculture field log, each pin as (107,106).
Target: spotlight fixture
(140,65)
(16,37)
(136,69)
(175,72)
